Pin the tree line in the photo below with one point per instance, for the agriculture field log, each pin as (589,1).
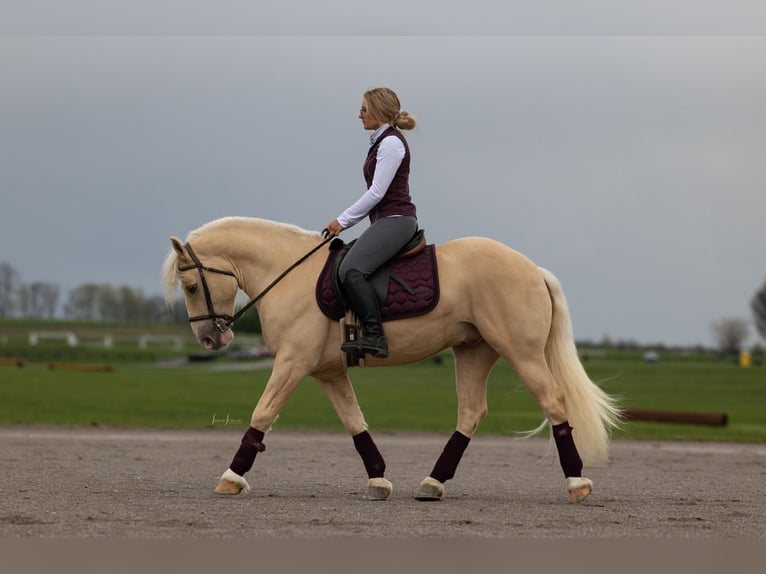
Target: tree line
(87,302)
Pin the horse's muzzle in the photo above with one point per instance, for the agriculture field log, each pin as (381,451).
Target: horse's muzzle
(212,338)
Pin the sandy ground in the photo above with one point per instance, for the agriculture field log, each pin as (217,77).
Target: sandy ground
(96,482)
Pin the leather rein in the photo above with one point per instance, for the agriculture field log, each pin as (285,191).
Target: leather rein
(224,322)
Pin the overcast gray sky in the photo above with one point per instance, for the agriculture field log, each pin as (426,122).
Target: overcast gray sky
(624,153)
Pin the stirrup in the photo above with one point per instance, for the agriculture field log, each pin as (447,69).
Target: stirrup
(375,346)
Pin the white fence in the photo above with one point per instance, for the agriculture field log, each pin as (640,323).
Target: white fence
(176,342)
(36,336)
(108,341)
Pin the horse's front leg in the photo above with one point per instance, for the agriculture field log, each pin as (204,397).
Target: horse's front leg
(283,381)
(341,394)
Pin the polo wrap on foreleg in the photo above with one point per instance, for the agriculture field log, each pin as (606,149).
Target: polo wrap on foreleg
(570,460)
(251,445)
(446,465)
(371,457)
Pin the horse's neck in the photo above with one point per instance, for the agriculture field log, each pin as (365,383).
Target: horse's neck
(262,253)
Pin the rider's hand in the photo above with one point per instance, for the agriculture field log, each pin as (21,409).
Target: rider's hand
(334,228)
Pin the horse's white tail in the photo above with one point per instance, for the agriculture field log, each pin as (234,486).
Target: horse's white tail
(592,413)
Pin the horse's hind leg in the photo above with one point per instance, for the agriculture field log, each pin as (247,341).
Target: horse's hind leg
(472,366)
(538,379)
(341,394)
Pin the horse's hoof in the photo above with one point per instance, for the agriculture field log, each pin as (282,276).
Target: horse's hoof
(379,488)
(231,483)
(579,489)
(228,487)
(430,489)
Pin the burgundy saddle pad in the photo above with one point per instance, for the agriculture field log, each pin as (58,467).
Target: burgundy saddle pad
(413,286)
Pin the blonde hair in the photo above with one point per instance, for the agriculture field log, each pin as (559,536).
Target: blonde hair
(383,104)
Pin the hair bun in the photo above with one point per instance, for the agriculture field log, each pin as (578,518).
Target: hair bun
(404,120)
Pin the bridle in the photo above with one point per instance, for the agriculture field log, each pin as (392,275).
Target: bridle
(224,322)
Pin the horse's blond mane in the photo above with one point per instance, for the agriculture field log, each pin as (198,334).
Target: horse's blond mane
(252,222)
(169,273)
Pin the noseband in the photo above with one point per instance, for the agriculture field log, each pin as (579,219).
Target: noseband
(224,322)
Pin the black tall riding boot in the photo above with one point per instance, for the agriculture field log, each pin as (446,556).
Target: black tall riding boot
(364,301)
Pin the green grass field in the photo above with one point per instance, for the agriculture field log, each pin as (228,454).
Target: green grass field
(415,398)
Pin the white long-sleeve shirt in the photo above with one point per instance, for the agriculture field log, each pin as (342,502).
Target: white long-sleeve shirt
(388,158)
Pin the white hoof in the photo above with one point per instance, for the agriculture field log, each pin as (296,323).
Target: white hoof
(579,488)
(379,488)
(430,489)
(232,483)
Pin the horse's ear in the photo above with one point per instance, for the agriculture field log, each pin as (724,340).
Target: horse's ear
(178,246)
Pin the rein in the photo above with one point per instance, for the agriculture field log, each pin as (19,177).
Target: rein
(224,322)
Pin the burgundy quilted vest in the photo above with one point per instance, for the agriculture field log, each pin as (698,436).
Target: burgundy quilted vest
(397,199)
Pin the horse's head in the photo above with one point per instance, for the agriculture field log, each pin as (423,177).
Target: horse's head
(209,288)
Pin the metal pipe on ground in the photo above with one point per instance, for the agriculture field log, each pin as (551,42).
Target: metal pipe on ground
(678,417)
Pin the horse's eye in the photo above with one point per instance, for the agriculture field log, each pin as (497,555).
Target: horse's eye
(192,288)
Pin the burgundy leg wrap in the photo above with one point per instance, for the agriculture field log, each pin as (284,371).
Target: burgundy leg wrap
(446,465)
(568,456)
(251,445)
(371,457)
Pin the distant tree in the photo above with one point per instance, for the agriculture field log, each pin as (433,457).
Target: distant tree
(108,307)
(9,283)
(103,302)
(125,303)
(137,307)
(157,310)
(730,335)
(83,303)
(758,305)
(134,304)
(177,311)
(38,300)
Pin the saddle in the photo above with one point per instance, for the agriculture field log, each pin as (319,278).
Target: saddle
(406,286)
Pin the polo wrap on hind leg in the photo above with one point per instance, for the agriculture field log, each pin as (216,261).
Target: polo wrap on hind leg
(570,460)
(251,445)
(446,465)
(371,457)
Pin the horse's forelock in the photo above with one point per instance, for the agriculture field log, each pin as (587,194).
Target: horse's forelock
(170,277)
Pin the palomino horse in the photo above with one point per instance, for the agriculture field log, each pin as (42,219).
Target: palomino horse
(494,303)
